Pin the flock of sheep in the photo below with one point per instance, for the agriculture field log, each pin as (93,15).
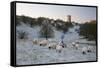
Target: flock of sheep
(52,44)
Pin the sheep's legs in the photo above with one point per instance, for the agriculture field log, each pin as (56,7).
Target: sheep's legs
(76,48)
(58,51)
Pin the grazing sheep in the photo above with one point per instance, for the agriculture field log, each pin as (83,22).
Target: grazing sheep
(89,49)
(52,45)
(43,42)
(61,43)
(73,44)
(84,49)
(76,45)
(35,41)
(59,48)
(56,46)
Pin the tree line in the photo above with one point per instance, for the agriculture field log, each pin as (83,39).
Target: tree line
(89,30)
(46,24)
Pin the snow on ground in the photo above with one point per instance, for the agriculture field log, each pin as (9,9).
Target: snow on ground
(29,53)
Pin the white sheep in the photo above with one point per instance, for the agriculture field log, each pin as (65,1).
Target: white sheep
(76,45)
(35,41)
(61,43)
(59,48)
(89,49)
(52,45)
(73,44)
(43,42)
(56,46)
(84,49)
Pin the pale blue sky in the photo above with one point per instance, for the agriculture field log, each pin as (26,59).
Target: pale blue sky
(79,14)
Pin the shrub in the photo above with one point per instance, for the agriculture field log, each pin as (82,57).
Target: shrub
(22,35)
(46,29)
(18,20)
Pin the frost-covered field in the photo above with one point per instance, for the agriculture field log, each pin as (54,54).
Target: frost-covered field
(29,53)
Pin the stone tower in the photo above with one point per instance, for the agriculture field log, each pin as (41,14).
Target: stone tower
(69,18)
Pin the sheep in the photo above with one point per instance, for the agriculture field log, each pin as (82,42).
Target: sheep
(35,41)
(43,42)
(76,45)
(89,49)
(59,48)
(61,43)
(52,45)
(56,46)
(84,49)
(73,44)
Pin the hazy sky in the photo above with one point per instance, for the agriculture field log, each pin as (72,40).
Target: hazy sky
(79,14)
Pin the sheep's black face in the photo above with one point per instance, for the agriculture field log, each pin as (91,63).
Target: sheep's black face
(40,44)
(49,47)
(83,52)
(88,50)
(63,46)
